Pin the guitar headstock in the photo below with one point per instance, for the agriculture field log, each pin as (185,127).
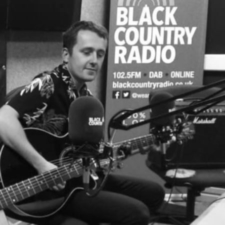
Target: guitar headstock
(185,131)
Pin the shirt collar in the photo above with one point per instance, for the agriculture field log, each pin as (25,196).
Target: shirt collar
(68,78)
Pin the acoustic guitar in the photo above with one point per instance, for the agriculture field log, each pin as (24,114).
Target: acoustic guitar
(27,193)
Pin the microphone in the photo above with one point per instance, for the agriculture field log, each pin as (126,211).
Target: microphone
(86,121)
(86,131)
(163,124)
(162,109)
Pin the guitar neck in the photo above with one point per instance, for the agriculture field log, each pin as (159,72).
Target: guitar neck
(27,188)
(138,145)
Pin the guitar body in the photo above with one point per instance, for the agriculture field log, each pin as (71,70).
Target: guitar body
(15,169)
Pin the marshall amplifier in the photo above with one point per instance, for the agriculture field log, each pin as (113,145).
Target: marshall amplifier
(207,148)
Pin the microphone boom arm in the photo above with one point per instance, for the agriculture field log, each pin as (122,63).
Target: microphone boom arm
(116,121)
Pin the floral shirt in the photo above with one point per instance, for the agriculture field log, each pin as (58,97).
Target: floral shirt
(45,102)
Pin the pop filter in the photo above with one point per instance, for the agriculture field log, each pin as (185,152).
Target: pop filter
(86,120)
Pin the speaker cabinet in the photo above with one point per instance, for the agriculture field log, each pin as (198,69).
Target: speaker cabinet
(207,148)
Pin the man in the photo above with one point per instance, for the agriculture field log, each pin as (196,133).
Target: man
(44,103)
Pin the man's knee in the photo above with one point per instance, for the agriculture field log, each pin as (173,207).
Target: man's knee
(141,214)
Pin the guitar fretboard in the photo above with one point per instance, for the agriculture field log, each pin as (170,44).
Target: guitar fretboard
(139,144)
(27,188)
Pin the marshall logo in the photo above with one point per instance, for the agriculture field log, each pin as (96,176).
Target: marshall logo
(95,121)
(197,120)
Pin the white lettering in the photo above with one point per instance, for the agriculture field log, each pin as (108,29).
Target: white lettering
(145,16)
(149,54)
(180,74)
(154,35)
(190,34)
(116,36)
(155,16)
(122,18)
(170,19)
(125,16)
(158,74)
(197,120)
(96,121)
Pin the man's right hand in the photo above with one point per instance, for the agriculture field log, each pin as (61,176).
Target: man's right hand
(48,166)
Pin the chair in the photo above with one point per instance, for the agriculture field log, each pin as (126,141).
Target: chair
(203,178)
(195,178)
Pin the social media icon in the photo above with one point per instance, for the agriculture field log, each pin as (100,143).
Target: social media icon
(126,94)
(116,94)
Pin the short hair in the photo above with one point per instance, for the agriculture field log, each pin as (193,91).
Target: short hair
(70,35)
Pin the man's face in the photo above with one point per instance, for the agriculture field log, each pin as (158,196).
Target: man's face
(87,56)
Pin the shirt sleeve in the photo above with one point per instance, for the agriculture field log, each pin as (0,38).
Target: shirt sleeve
(33,99)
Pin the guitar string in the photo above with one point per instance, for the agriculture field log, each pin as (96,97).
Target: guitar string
(20,189)
(148,137)
(136,140)
(48,176)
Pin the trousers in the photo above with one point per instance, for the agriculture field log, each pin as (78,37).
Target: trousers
(123,201)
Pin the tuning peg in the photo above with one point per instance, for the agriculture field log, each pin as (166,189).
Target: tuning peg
(173,138)
(119,165)
(125,149)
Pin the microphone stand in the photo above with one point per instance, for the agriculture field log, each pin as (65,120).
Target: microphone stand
(86,171)
(163,149)
(90,159)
